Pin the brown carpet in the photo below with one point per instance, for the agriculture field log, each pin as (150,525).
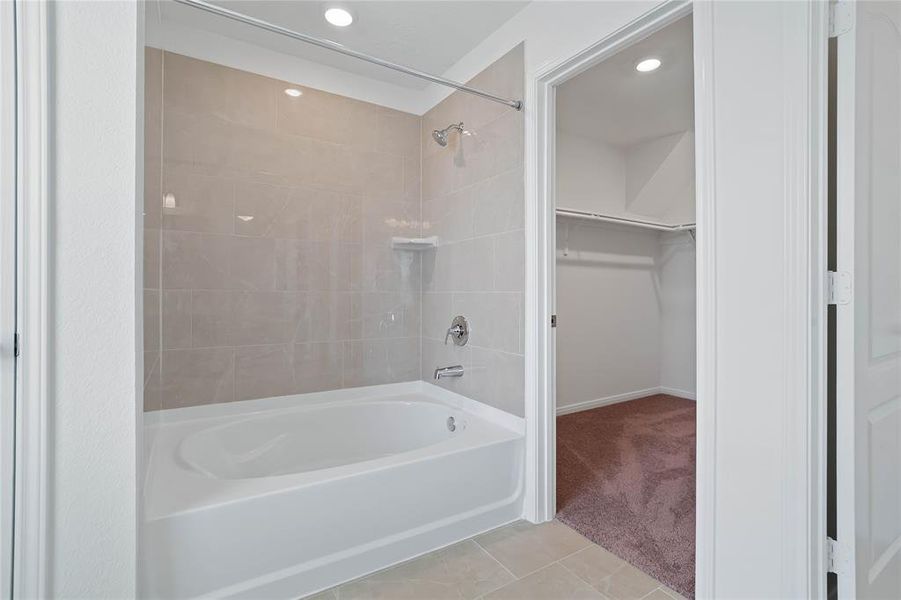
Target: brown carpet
(626,481)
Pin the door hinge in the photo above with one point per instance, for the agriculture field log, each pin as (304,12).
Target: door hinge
(838,287)
(835,557)
(841,18)
(16,345)
(553,320)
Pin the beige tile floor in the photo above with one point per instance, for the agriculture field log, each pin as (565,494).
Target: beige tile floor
(520,561)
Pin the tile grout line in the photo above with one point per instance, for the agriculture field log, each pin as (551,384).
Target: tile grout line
(660,585)
(529,574)
(543,566)
(337,589)
(583,580)
(580,578)
(494,558)
(656,589)
(421,218)
(669,592)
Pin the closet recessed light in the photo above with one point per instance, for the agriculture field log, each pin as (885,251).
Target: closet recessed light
(648,64)
(293,92)
(338,17)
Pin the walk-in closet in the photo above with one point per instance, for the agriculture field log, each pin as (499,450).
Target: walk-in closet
(625,305)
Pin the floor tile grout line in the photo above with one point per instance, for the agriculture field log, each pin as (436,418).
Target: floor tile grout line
(494,558)
(500,587)
(518,579)
(582,579)
(588,583)
(659,588)
(585,547)
(660,585)
(544,566)
(669,592)
(337,589)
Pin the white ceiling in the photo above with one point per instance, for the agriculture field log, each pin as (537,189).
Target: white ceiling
(426,35)
(615,104)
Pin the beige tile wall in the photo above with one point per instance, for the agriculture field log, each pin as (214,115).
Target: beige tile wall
(306,294)
(272,273)
(473,200)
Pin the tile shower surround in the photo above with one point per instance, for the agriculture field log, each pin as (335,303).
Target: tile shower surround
(473,200)
(272,272)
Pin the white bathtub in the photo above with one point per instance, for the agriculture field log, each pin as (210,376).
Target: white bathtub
(282,497)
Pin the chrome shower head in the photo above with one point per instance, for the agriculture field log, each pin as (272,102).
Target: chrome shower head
(440,135)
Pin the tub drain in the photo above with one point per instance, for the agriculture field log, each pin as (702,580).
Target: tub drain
(451,424)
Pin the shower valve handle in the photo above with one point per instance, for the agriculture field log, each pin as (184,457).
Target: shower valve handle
(459,330)
(456,331)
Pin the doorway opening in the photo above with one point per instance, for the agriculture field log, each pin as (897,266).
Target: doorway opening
(625,303)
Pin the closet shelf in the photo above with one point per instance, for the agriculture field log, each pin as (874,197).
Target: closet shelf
(402,243)
(589,216)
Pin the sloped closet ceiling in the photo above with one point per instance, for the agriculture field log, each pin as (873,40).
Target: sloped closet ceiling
(660,178)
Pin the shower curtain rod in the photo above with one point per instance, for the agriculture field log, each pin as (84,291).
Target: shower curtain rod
(334,46)
(578,214)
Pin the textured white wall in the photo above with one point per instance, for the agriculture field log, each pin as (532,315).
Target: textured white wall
(608,312)
(95,146)
(626,305)
(625,296)
(678,306)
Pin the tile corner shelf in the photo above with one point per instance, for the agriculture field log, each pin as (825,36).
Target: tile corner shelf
(402,243)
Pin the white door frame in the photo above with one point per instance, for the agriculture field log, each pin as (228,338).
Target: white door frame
(808,175)
(8,167)
(540,502)
(33,263)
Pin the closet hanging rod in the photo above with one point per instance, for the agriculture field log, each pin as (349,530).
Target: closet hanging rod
(336,47)
(589,216)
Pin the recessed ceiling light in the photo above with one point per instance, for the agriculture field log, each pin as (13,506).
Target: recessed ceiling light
(293,92)
(648,64)
(338,17)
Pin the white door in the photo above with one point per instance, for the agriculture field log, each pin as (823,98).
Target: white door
(869,324)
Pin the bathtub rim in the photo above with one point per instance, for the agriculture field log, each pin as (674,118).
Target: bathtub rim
(161,418)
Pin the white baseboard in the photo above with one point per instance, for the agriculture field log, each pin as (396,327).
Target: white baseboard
(625,397)
(598,402)
(678,393)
